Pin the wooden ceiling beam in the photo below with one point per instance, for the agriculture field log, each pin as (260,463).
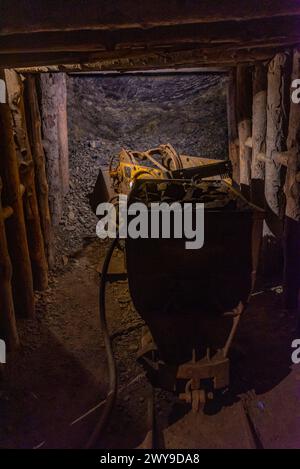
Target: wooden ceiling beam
(29,16)
(281,30)
(138,61)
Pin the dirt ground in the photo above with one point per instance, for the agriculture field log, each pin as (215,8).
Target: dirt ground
(60,373)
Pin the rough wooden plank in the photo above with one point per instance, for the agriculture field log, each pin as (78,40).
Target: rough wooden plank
(140,59)
(70,15)
(276,31)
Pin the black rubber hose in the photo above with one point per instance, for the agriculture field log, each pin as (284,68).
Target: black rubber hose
(112,369)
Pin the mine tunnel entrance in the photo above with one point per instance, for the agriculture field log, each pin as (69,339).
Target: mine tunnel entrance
(137,112)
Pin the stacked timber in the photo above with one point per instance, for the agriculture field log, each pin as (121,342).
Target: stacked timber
(27,175)
(16,232)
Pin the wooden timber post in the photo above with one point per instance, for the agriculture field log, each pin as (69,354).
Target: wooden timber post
(15,225)
(244,117)
(259,128)
(292,193)
(35,137)
(278,104)
(277,128)
(54,131)
(27,174)
(233,140)
(63,131)
(50,143)
(8,328)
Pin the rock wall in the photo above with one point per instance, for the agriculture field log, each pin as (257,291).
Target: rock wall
(139,112)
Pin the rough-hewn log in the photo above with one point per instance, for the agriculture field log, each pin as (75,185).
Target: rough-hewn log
(259,127)
(35,136)
(49,114)
(277,126)
(62,129)
(141,59)
(278,102)
(292,193)
(15,225)
(8,328)
(127,14)
(274,31)
(27,174)
(233,140)
(244,116)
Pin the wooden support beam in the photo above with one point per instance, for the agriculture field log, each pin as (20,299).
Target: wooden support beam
(15,225)
(27,174)
(49,84)
(8,327)
(244,34)
(244,116)
(35,136)
(62,129)
(51,16)
(279,75)
(128,59)
(278,103)
(259,128)
(233,141)
(292,193)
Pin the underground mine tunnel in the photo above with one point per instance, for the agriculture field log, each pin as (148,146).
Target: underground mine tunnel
(149,226)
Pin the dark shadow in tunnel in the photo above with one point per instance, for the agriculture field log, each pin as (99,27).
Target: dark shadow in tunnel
(44,389)
(260,357)
(261,353)
(291,262)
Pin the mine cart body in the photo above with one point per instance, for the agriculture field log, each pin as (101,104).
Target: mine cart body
(192,299)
